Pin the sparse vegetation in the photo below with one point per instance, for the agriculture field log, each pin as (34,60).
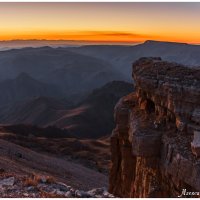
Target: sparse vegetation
(34,180)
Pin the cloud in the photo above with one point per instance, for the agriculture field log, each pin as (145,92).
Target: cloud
(113,34)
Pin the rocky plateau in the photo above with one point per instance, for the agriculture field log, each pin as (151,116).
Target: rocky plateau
(155,145)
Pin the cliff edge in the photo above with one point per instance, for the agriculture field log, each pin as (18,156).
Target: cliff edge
(155,145)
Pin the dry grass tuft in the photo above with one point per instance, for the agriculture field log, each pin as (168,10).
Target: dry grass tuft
(34,180)
(31,182)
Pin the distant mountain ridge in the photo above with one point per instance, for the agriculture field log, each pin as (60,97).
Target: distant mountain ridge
(115,60)
(122,57)
(39,111)
(25,87)
(91,118)
(71,72)
(163,42)
(9,44)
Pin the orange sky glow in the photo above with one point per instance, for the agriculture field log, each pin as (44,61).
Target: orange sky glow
(101,22)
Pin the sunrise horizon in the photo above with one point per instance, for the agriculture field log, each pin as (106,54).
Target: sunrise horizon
(112,42)
(119,23)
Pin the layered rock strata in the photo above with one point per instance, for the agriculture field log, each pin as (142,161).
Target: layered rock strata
(156,142)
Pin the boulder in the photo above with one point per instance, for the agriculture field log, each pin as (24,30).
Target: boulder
(7,181)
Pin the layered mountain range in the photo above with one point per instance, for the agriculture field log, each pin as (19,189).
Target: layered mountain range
(122,56)
(90,118)
(48,86)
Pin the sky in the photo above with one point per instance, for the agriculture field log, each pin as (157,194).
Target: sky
(101,22)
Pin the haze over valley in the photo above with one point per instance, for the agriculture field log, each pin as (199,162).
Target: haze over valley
(67,86)
(54,86)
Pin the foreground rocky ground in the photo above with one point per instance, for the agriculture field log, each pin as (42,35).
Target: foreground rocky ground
(37,186)
(29,171)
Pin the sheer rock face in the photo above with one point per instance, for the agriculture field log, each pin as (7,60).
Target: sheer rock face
(155,145)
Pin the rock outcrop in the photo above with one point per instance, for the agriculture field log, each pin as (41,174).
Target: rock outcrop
(156,143)
(40,186)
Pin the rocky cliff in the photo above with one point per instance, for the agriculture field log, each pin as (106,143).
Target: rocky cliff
(155,145)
